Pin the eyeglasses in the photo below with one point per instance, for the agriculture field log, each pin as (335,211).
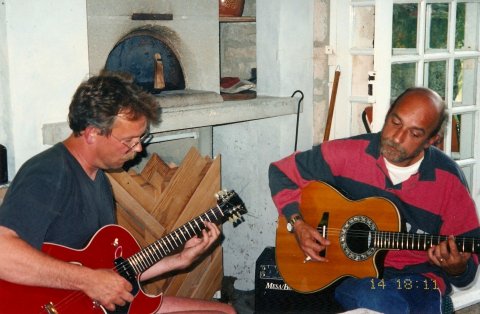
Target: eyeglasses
(144,139)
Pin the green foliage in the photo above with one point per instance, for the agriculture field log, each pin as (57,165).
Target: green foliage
(404,36)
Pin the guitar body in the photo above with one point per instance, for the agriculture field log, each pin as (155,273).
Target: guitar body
(322,205)
(108,244)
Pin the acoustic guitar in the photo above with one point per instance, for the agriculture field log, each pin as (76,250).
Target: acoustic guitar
(358,230)
(113,247)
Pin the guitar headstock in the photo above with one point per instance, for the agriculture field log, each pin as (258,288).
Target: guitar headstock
(231,205)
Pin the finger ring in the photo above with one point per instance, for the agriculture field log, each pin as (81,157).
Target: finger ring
(442,260)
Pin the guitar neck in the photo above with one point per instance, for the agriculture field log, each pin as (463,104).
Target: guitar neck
(170,243)
(419,242)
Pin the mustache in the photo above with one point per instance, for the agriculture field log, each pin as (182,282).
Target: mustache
(390,143)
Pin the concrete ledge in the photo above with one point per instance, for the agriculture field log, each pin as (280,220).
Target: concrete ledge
(199,115)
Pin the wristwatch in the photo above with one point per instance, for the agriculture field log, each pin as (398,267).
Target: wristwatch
(292,221)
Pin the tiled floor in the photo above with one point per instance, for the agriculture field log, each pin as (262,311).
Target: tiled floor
(473,309)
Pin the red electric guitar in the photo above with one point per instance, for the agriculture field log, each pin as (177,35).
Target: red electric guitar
(113,247)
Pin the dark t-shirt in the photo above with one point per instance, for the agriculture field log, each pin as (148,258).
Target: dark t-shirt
(51,199)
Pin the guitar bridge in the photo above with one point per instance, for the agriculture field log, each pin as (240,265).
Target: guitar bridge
(322,228)
(50,308)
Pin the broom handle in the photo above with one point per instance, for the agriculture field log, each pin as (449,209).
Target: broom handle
(332,105)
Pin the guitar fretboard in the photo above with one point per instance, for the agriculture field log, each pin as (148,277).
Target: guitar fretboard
(167,245)
(419,242)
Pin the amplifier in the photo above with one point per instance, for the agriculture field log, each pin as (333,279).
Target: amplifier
(273,295)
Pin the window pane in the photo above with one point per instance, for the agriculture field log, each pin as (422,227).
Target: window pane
(466,32)
(437,26)
(464,82)
(463,126)
(436,76)
(363,26)
(468,172)
(403,77)
(404,29)
(361,65)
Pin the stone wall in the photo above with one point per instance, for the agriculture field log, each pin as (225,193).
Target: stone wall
(238,45)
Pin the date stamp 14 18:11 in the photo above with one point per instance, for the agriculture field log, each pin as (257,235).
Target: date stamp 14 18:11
(404,283)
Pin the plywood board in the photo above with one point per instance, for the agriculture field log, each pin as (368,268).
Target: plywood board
(161,198)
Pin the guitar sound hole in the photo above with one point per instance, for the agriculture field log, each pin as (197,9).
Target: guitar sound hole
(357,238)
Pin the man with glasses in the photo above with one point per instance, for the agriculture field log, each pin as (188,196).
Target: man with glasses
(63,196)
(130,144)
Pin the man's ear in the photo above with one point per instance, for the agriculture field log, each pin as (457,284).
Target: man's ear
(90,134)
(434,140)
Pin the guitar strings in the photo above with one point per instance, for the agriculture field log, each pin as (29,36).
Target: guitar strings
(65,302)
(337,231)
(76,295)
(217,212)
(470,244)
(216,215)
(164,241)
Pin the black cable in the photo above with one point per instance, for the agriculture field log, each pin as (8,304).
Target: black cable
(298,116)
(366,124)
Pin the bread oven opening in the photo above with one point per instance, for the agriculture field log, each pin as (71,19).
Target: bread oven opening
(147,55)
(176,38)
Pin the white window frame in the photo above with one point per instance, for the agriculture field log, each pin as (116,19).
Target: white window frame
(341,43)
